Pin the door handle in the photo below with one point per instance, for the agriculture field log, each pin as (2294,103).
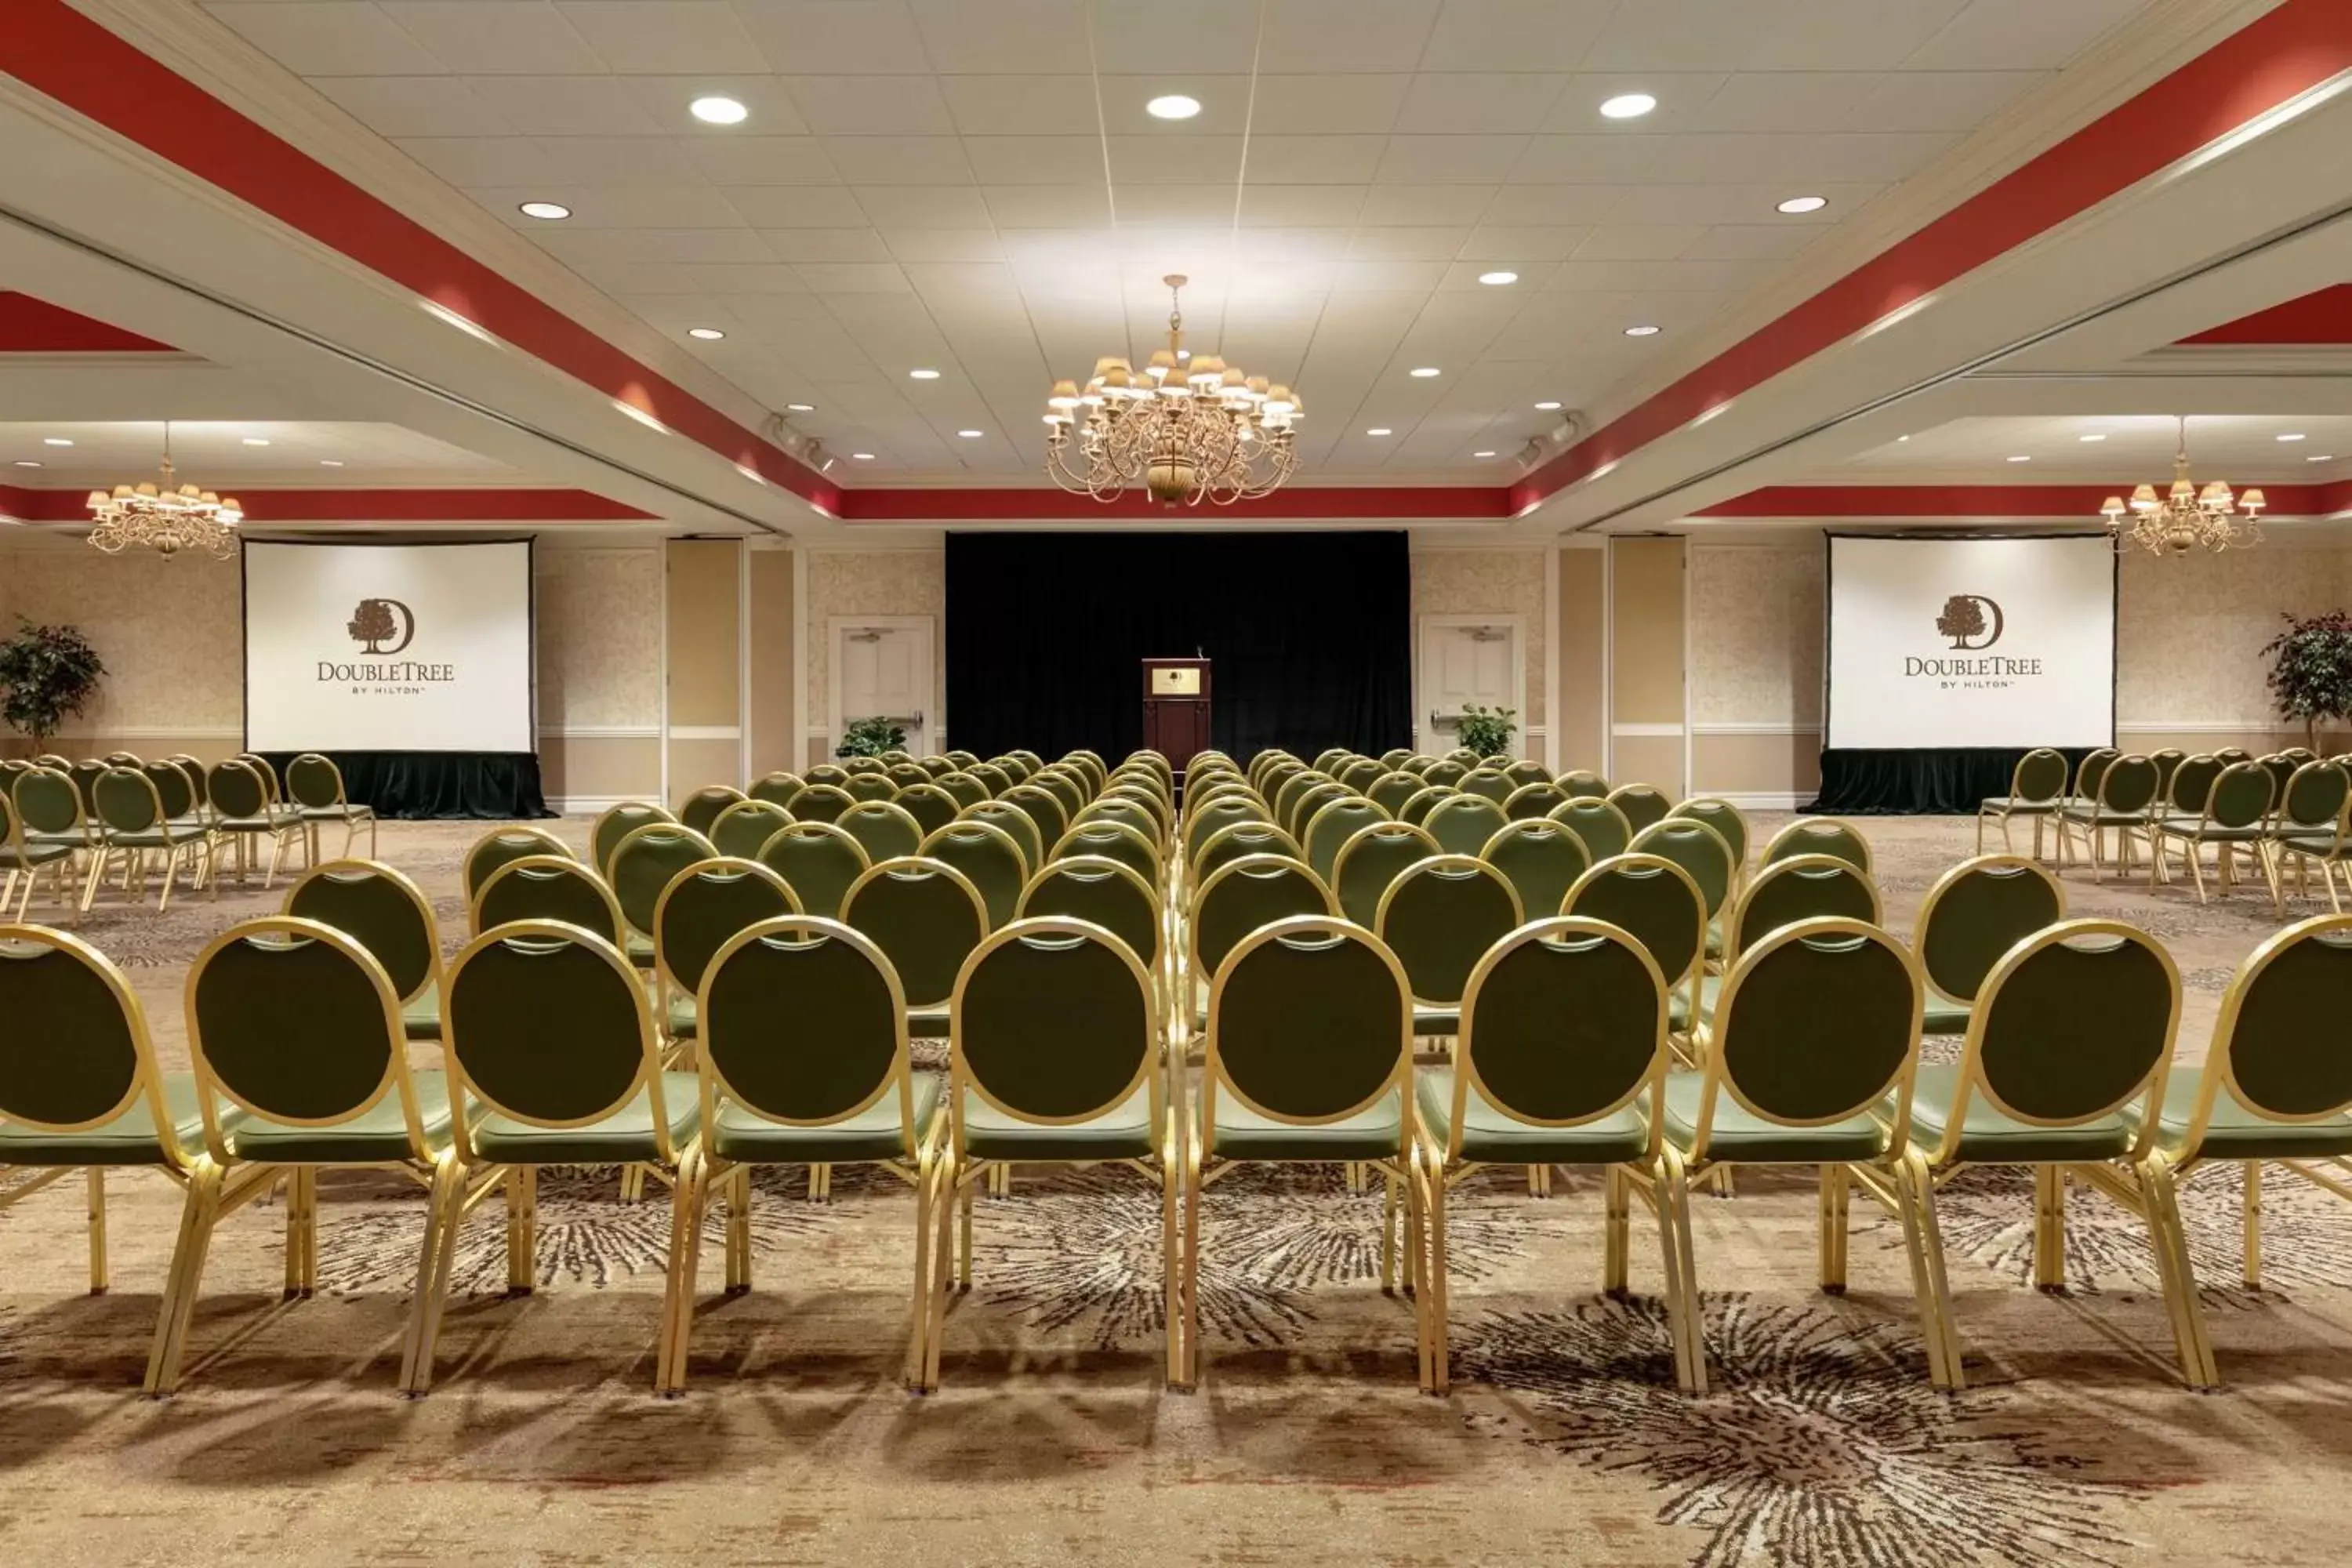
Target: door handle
(1440,720)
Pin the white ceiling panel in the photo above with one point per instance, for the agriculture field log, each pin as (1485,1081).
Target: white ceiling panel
(795,207)
(1011,37)
(1470,102)
(1314,160)
(521,37)
(2020,34)
(836,37)
(763,160)
(664,37)
(1328,104)
(1514,35)
(416,105)
(898,160)
(328,37)
(1346,35)
(1022,105)
(1853,35)
(872,105)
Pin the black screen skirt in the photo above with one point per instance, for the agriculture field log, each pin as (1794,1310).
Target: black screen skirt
(1951,781)
(417,787)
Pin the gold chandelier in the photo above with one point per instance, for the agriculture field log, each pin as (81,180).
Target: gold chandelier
(2184,517)
(164,518)
(1188,428)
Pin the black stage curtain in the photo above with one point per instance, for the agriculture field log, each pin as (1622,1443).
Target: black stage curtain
(1310,636)
(1938,781)
(495,786)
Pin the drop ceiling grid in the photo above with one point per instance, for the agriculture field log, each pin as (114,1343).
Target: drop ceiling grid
(937,177)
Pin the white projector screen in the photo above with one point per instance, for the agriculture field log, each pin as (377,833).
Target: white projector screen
(388,647)
(1937,642)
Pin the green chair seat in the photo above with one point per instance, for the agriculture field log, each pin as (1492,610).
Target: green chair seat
(1715,937)
(34,854)
(2309,842)
(873,1134)
(1123,1133)
(625,1135)
(129,1140)
(1738,1134)
(337,812)
(2189,827)
(929,1022)
(71,837)
(1433,1021)
(276,819)
(683,1017)
(1492,1137)
(163,836)
(1989,1138)
(381,1135)
(1710,986)
(2020,808)
(420,1015)
(2234,1132)
(638,950)
(1942,1017)
(2086,812)
(1240,1133)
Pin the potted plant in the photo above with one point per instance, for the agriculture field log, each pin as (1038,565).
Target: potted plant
(870,738)
(46,673)
(2311,670)
(1487,730)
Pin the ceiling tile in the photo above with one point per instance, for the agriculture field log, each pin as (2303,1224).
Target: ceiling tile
(1302,206)
(898,160)
(850,277)
(669,101)
(481,37)
(328,37)
(415,105)
(1206,204)
(1407,244)
(1459,104)
(1507,243)
(845,37)
(1584,160)
(794,206)
(1147,38)
(733,247)
(1011,37)
(761,161)
(664,37)
(872,105)
(479,160)
(943,244)
(566,105)
(1048,207)
(1687,35)
(1853,35)
(1638,242)
(622,160)
(1514,35)
(1347,34)
(2020,34)
(677,278)
(825,245)
(662,205)
(1425,205)
(924,206)
(1314,160)
(1022,105)
(1189,161)
(1680,94)
(1035,160)
(1753,242)
(1939,100)
(1785,101)
(1327,104)
(1544,206)
(1224,100)
(1449,160)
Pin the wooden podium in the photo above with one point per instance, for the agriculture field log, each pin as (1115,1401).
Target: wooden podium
(1176,708)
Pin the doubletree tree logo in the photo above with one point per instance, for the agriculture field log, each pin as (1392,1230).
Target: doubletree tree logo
(378,622)
(1964,622)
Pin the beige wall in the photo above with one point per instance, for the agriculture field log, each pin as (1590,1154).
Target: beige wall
(2188,635)
(1581,706)
(774,663)
(1646,688)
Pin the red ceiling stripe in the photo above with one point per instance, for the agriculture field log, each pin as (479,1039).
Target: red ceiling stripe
(1285,505)
(53,47)
(2291,50)
(30,326)
(362,506)
(2021,501)
(2322,318)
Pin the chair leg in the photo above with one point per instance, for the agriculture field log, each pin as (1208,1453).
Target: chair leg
(687,1201)
(1388,1233)
(928,1161)
(1171,1231)
(299,1230)
(96,1177)
(1933,1311)
(444,1213)
(1437,1368)
(2253,1225)
(197,1218)
(2049,1227)
(1190,1139)
(964,1264)
(739,1230)
(954,1175)
(1617,1231)
(1682,1272)
(1836,1195)
(2162,1206)
(522,1227)
(1939,1284)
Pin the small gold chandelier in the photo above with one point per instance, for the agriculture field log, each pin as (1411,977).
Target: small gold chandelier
(1188,428)
(2183,518)
(164,518)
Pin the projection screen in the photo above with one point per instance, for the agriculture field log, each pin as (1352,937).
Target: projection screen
(1948,642)
(388,647)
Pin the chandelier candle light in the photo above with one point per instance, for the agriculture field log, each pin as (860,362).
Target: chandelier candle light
(162,518)
(2185,517)
(1188,429)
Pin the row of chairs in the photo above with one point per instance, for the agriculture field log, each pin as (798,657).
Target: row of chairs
(76,820)
(2291,808)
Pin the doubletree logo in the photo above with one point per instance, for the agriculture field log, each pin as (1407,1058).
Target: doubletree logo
(377,622)
(1964,622)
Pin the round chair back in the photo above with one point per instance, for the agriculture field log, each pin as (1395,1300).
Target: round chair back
(551,1027)
(1785,1056)
(295,1022)
(884,828)
(704,907)
(379,908)
(1801,888)
(2279,1044)
(1976,912)
(818,862)
(1101,892)
(1654,901)
(2072,1024)
(1440,917)
(1014,820)
(1601,826)
(1563,1022)
(1333,825)
(1248,892)
(236,790)
(701,808)
(925,915)
(1640,804)
(1236,839)
(802,1021)
(1310,1021)
(777,788)
(1698,848)
(544,887)
(617,823)
(1578,782)
(1462,823)
(822,802)
(1820,836)
(1540,858)
(989,857)
(75,1054)
(1373,856)
(646,861)
(1053,1022)
(1493,784)
(742,829)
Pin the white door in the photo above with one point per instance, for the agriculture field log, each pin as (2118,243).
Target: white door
(1465,660)
(882,667)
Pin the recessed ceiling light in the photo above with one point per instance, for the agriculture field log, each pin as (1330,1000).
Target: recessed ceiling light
(1903,437)
(2297,435)
(1423,372)
(924,374)
(1497,279)
(330,462)
(256,440)
(2096,436)
(546,212)
(1628,106)
(1643,331)
(2020,458)
(718,110)
(1172,106)
(1546,407)
(57,441)
(707,334)
(27,463)
(800,407)
(1379,430)
(1482,454)
(2321,458)
(971,435)
(863,456)
(1795,204)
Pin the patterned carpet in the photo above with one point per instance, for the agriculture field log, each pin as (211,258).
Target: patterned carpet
(1564,1440)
